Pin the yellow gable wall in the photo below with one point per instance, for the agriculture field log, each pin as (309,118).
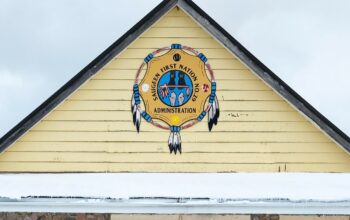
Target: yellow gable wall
(92,130)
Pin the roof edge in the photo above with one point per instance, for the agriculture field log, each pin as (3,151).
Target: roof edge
(265,73)
(91,69)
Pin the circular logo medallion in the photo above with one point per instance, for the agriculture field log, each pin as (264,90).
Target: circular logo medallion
(175,88)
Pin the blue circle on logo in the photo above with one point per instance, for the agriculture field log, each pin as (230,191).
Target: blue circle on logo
(175,88)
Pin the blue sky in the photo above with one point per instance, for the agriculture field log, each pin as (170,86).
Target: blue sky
(45,43)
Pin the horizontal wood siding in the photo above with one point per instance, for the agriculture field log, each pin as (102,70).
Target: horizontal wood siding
(92,130)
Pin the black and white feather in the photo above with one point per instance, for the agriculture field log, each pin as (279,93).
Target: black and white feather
(174,142)
(213,113)
(136,115)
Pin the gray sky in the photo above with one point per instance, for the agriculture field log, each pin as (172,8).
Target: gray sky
(45,43)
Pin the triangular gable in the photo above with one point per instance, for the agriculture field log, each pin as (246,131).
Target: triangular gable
(136,49)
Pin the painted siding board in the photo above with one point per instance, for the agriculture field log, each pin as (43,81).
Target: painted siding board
(224,64)
(232,116)
(236,85)
(202,137)
(76,105)
(216,158)
(155,43)
(166,32)
(170,21)
(211,53)
(106,126)
(137,147)
(92,130)
(136,167)
(223,95)
(231,74)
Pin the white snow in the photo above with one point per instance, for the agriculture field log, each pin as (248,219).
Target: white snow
(233,186)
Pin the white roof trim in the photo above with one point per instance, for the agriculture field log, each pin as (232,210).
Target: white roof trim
(281,193)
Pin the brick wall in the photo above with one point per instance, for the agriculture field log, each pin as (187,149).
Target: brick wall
(225,217)
(52,216)
(70,216)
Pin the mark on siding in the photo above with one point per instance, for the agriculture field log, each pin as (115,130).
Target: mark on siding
(237,115)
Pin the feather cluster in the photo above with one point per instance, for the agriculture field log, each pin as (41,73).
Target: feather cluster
(136,115)
(213,113)
(174,142)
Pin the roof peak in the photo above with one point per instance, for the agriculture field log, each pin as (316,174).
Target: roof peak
(218,33)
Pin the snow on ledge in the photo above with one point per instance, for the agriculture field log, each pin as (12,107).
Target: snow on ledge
(238,193)
(329,187)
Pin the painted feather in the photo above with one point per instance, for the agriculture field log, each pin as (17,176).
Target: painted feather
(170,141)
(179,142)
(138,120)
(133,109)
(210,117)
(217,111)
(174,142)
(136,115)
(213,114)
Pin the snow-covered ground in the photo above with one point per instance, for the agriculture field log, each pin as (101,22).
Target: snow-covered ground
(192,189)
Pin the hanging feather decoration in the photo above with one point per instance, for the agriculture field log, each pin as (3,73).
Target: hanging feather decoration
(133,109)
(214,111)
(135,101)
(211,115)
(174,141)
(171,141)
(138,120)
(217,110)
